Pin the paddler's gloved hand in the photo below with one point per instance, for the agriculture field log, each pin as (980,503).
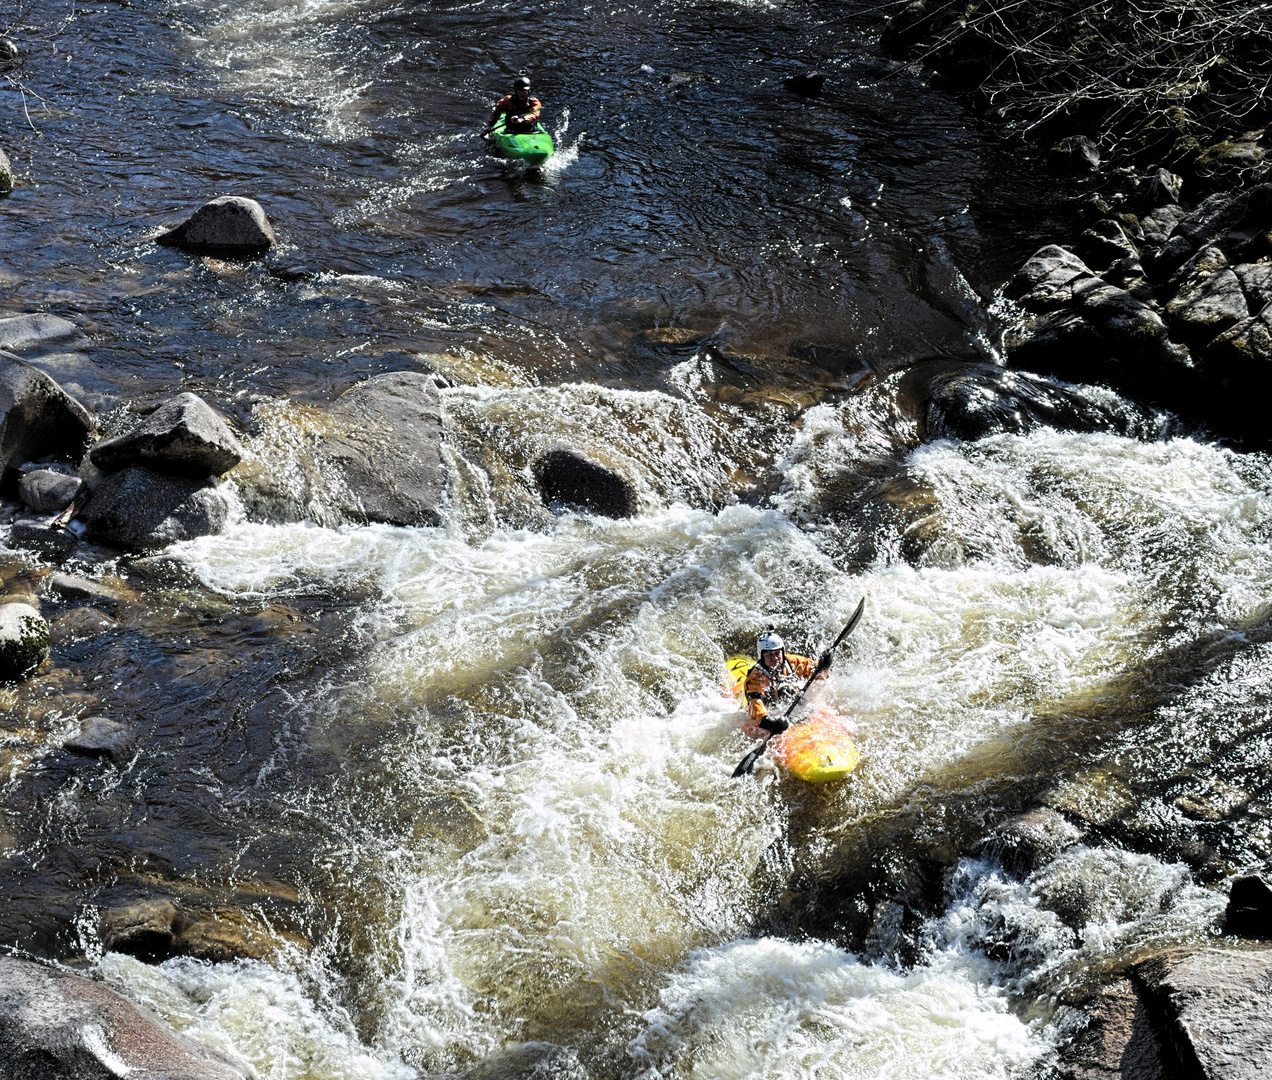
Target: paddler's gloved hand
(774,724)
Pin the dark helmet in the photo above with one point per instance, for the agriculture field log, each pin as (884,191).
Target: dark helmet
(521,83)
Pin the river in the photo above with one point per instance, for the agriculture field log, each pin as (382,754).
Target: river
(490,761)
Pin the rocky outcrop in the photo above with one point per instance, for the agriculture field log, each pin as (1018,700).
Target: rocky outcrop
(1118,1042)
(59,1026)
(182,437)
(38,419)
(229,225)
(1211,1006)
(24,640)
(571,479)
(374,456)
(136,509)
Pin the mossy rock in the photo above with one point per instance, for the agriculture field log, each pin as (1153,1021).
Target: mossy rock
(24,640)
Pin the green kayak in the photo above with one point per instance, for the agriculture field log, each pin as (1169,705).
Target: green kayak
(532,147)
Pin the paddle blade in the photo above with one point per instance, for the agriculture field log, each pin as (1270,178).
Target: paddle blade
(748,763)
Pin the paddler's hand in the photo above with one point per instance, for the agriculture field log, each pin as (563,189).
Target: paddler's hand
(774,725)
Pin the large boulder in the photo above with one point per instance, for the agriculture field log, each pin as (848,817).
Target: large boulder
(1212,1007)
(1208,296)
(569,478)
(374,456)
(37,418)
(24,640)
(136,509)
(228,225)
(183,437)
(59,1026)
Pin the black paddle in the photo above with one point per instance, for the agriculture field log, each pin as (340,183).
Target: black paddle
(748,763)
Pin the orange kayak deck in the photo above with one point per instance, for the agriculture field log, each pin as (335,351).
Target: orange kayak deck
(818,749)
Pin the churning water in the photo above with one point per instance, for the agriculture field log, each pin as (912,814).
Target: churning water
(494,756)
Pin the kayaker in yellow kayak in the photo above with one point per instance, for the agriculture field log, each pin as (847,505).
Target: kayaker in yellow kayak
(774,682)
(519,107)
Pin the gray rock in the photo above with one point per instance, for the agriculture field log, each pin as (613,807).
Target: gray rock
(1105,242)
(21,333)
(80,623)
(1256,281)
(34,533)
(1027,841)
(1135,330)
(183,436)
(375,456)
(1208,297)
(59,1026)
(1118,1041)
(136,509)
(1212,1005)
(1157,226)
(1164,188)
(569,478)
(24,640)
(100,737)
(37,419)
(47,491)
(73,587)
(228,225)
(806,83)
(1076,153)
(1046,281)
(1249,912)
(10,54)
(7,177)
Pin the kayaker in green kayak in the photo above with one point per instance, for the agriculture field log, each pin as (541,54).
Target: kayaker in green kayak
(520,109)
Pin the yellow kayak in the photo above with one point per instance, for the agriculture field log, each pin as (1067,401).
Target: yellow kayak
(818,748)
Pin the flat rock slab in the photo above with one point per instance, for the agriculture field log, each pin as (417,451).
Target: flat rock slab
(38,419)
(1215,1006)
(183,437)
(18,333)
(59,1026)
(229,225)
(136,509)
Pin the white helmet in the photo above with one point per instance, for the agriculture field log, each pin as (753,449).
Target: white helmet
(770,640)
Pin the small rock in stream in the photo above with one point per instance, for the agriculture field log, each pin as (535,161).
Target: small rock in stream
(73,587)
(100,737)
(48,491)
(136,509)
(183,437)
(24,640)
(806,83)
(228,225)
(21,333)
(80,623)
(35,533)
(1027,841)
(59,1026)
(569,478)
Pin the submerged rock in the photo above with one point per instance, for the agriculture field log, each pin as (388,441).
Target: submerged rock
(24,640)
(183,437)
(59,1026)
(228,225)
(806,83)
(20,333)
(136,509)
(1027,841)
(37,418)
(569,478)
(155,930)
(100,737)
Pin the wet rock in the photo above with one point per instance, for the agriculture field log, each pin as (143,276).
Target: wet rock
(568,478)
(1208,298)
(909,26)
(182,437)
(155,930)
(806,83)
(80,623)
(59,1026)
(1249,911)
(1118,1041)
(1028,841)
(1046,281)
(136,509)
(1238,224)
(146,930)
(36,533)
(24,640)
(1075,154)
(23,333)
(100,737)
(47,491)
(228,225)
(9,52)
(1165,188)
(74,587)
(7,178)
(37,419)
(375,456)
(1212,1007)
(1157,226)
(971,401)
(1256,282)
(1233,161)
(1104,243)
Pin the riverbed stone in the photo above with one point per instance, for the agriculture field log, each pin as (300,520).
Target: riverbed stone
(228,225)
(24,640)
(58,1026)
(1104,243)
(47,491)
(1256,281)
(136,509)
(1212,1006)
(567,477)
(1027,841)
(1046,280)
(75,587)
(157,929)
(36,532)
(1117,1042)
(1157,226)
(7,178)
(37,418)
(806,83)
(1075,154)
(80,623)
(101,737)
(1165,188)
(39,330)
(182,437)
(374,456)
(1249,911)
